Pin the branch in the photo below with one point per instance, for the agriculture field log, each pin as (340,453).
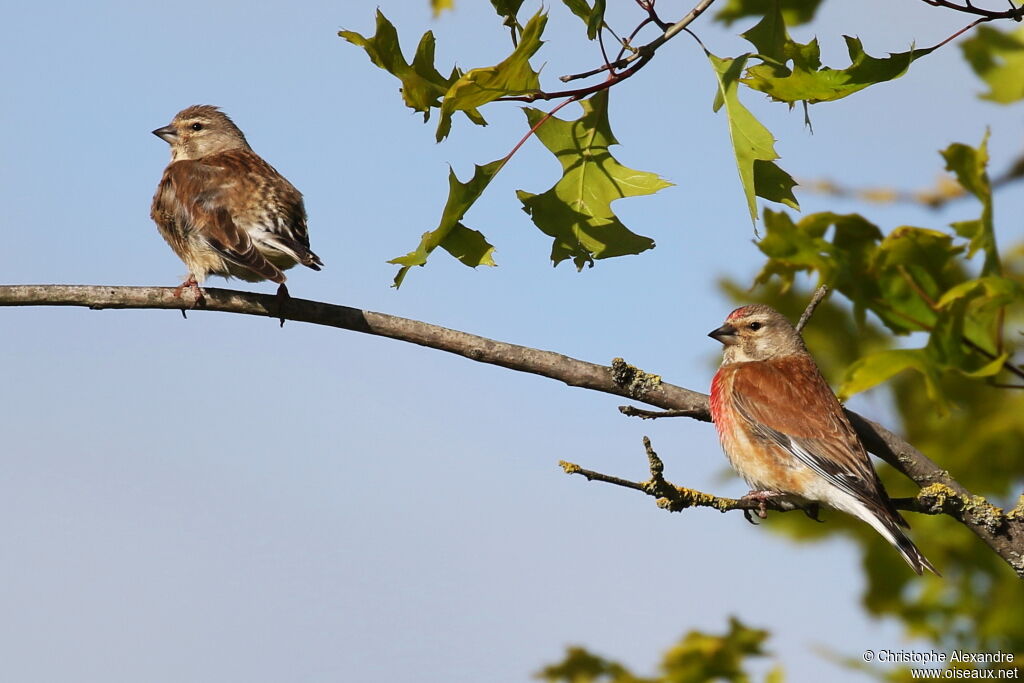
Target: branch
(935,499)
(1014,13)
(678,498)
(819,296)
(1003,532)
(641,55)
(945,191)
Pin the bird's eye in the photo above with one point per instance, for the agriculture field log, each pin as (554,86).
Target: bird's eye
(755,326)
(197,126)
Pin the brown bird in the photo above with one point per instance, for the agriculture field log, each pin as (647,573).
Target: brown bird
(785,432)
(223,209)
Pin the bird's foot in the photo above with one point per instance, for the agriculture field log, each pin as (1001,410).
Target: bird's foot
(761,498)
(199,300)
(812,511)
(282,301)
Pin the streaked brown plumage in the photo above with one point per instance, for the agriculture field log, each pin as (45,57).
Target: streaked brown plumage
(785,432)
(223,209)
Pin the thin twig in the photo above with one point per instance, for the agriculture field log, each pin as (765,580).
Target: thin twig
(651,47)
(674,498)
(633,411)
(959,33)
(819,296)
(533,129)
(1014,13)
(677,498)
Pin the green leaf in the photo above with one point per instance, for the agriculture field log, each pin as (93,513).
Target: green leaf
(972,311)
(795,11)
(577,211)
(513,76)
(998,59)
(697,656)
(706,657)
(912,267)
(840,263)
(969,166)
(507,9)
(769,35)
(439,6)
(596,19)
(807,81)
(593,17)
(422,85)
(876,368)
(991,292)
(581,8)
(752,143)
(469,246)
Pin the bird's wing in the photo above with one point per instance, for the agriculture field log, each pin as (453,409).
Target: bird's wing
(283,226)
(204,196)
(788,402)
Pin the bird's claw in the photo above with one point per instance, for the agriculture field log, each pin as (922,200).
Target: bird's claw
(282,302)
(761,498)
(199,300)
(812,511)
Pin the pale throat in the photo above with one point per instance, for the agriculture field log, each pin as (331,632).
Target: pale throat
(734,353)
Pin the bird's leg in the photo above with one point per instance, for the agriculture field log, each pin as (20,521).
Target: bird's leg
(193,284)
(761,498)
(282,301)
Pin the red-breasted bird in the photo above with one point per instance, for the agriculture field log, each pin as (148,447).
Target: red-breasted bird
(785,432)
(223,209)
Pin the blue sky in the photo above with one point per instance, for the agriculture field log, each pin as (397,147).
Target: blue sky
(217,499)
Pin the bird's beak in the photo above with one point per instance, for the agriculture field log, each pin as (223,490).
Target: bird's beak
(167,134)
(725,334)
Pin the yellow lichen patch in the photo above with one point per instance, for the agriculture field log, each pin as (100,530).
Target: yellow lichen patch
(570,468)
(1018,511)
(935,496)
(635,381)
(692,497)
(940,498)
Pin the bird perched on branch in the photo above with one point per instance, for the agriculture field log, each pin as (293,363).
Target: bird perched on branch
(223,209)
(785,432)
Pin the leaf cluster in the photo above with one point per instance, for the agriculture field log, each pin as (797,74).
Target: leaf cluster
(913,280)
(697,657)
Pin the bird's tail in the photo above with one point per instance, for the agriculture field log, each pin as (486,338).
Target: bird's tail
(889,527)
(295,250)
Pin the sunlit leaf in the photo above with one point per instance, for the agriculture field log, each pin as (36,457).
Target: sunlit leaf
(752,143)
(969,165)
(769,36)
(991,292)
(912,267)
(800,76)
(696,658)
(512,76)
(439,6)
(971,311)
(592,16)
(840,262)
(998,59)
(577,211)
(507,9)
(469,246)
(422,85)
(794,11)
(876,368)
